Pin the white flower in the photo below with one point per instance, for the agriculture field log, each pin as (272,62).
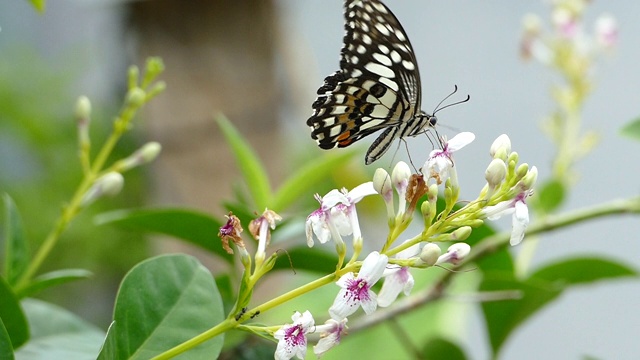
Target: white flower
(397,279)
(440,163)
(356,291)
(606,31)
(292,339)
(337,215)
(330,334)
(517,207)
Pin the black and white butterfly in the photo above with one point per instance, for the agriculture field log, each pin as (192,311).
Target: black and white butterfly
(377,86)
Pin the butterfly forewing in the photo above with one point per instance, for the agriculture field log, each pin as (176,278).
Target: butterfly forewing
(377,86)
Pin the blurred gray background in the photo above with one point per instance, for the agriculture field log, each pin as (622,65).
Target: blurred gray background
(469,43)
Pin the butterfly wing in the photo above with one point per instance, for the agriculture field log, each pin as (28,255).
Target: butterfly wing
(378,84)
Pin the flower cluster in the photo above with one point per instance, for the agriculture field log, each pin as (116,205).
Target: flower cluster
(568,37)
(506,191)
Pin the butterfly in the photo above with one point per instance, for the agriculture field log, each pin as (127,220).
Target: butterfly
(377,87)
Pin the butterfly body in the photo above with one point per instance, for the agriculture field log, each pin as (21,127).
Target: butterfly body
(377,87)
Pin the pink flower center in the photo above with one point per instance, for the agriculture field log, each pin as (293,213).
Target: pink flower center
(294,336)
(358,290)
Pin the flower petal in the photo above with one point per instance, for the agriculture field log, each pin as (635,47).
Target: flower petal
(460,140)
(373,267)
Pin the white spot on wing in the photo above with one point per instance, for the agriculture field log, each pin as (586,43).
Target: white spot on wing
(408,65)
(380,70)
(384,60)
(383,29)
(390,83)
(395,56)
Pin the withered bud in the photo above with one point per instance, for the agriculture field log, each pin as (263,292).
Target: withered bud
(231,231)
(416,189)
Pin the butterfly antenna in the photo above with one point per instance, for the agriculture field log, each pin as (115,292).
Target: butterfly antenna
(455,89)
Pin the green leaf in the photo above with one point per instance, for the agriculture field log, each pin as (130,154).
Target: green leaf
(551,195)
(583,270)
(6,349)
(38,4)
(303,181)
(163,302)
(16,253)
(12,316)
(57,334)
(442,349)
(109,348)
(542,287)
(54,278)
(195,227)
(305,258)
(632,129)
(252,171)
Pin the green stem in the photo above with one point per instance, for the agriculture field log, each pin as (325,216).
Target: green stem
(226,325)
(490,245)
(72,209)
(230,323)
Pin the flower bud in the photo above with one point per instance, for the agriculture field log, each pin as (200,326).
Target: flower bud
(606,31)
(496,173)
(501,147)
(531,23)
(430,253)
(83,114)
(522,170)
(400,177)
(456,253)
(530,178)
(83,108)
(461,233)
(109,184)
(382,184)
(147,153)
(136,96)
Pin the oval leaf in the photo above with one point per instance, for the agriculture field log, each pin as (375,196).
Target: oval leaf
(54,278)
(195,227)
(632,129)
(6,350)
(16,253)
(57,334)
(442,349)
(12,316)
(163,302)
(542,287)
(252,170)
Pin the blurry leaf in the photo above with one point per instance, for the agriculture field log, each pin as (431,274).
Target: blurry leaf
(6,350)
(53,278)
(12,316)
(38,4)
(252,171)
(302,182)
(57,334)
(195,227)
(226,288)
(550,195)
(305,258)
(546,284)
(583,270)
(632,129)
(161,303)
(16,254)
(108,350)
(442,349)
